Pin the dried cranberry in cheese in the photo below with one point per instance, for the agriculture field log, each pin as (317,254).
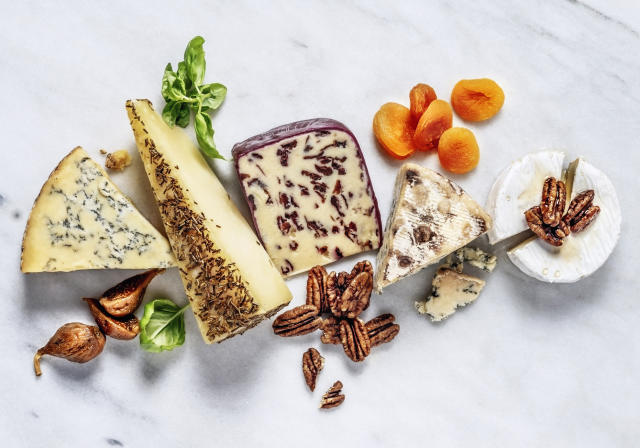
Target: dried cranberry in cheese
(309,193)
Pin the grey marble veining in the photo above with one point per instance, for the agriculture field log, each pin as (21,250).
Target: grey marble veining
(528,364)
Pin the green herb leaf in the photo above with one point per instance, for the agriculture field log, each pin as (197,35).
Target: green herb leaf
(204,134)
(182,74)
(170,112)
(216,94)
(194,60)
(184,116)
(162,326)
(184,91)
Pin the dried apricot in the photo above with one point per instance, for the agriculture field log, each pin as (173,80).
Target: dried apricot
(458,150)
(420,97)
(433,122)
(477,99)
(393,129)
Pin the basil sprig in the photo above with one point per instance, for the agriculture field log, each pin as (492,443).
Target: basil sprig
(184,92)
(162,326)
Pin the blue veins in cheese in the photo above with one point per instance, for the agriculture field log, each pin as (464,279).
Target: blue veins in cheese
(81,220)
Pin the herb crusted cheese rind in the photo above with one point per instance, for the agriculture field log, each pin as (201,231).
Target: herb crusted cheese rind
(230,281)
(450,290)
(431,217)
(81,220)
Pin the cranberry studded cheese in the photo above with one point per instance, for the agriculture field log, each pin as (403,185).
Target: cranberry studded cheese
(309,194)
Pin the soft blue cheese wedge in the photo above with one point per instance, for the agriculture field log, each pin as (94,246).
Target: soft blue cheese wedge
(432,217)
(230,281)
(81,220)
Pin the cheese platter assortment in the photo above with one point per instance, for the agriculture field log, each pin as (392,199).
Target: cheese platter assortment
(311,202)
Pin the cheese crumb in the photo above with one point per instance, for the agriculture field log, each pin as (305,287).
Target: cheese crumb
(118,160)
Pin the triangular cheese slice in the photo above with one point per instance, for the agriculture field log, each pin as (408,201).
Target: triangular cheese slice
(432,217)
(81,220)
(230,280)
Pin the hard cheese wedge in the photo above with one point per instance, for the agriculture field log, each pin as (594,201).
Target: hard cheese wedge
(450,290)
(582,253)
(309,193)
(432,217)
(229,279)
(80,220)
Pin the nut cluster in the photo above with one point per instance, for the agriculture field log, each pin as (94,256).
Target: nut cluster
(344,296)
(547,220)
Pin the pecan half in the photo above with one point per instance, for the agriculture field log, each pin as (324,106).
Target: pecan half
(331,331)
(581,212)
(585,218)
(317,289)
(362,266)
(355,339)
(543,231)
(554,197)
(381,329)
(312,364)
(333,397)
(355,298)
(579,203)
(297,321)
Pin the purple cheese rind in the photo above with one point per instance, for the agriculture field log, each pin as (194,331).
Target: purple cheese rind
(294,129)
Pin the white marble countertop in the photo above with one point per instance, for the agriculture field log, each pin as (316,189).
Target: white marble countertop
(529,364)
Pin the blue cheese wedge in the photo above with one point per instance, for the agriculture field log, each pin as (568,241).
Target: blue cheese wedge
(80,220)
(450,290)
(431,218)
(230,281)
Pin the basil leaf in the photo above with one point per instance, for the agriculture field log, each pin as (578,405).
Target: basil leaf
(162,326)
(184,116)
(167,82)
(217,93)
(204,134)
(194,60)
(182,74)
(170,112)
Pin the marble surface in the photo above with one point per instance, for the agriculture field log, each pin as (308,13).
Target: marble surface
(529,364)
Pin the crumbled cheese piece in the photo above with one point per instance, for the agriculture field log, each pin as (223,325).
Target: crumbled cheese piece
(476,257)
(118,160)
(450,290)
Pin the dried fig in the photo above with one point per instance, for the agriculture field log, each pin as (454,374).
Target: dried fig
(124,328)
(75,342)
(125,297)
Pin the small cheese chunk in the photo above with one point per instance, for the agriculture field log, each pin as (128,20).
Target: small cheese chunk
(432,217)
(475,256)
(80,220)
(309,194)
(230,281)
(450,290)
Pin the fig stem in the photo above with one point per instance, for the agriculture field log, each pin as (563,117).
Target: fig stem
(36,362)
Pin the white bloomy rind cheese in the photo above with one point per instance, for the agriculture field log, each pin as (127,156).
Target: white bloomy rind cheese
(518,188)
(81,220)
(230,281)
(309,194)
(584,252)
(432,217)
